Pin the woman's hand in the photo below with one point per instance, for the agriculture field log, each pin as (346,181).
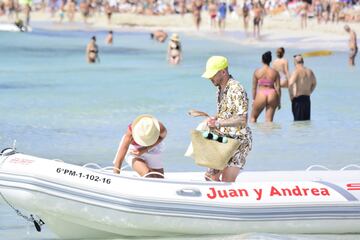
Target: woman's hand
(140,151)
(211,122)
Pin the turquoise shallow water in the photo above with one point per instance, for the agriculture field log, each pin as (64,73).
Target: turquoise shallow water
(57,106)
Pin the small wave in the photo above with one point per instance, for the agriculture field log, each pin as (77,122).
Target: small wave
(10,86)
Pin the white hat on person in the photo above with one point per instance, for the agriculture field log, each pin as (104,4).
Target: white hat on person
(175,37)
(145,130)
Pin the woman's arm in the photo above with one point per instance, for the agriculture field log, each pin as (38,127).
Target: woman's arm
(121,152)
(254,85)
(278,88)
(168,53)
(292,85)
(286,69)
(236,121)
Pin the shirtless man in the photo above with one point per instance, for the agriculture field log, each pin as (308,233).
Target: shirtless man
(257,10)
(92,51)
(159,35)
(301,84)
(352,45)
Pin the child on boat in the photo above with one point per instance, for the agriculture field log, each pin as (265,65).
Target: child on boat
(141,147)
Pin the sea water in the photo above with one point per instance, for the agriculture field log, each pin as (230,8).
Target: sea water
(56,105)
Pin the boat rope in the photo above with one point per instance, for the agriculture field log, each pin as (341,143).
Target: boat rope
(6,152)
(350,166)
(91,165)
(37,223)
(153,173)
(317,166)
(57,160)
(104,169)
(95,166)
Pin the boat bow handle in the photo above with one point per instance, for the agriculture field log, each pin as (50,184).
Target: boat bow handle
(189,192)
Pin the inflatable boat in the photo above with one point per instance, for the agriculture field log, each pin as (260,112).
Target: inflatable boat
(91,202)
(10,27)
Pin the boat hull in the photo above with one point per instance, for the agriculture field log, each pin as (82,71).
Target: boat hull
(77,207)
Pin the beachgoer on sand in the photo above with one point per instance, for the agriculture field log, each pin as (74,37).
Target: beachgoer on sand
(257,11)
(197,9)
(212,9)
(222,9)
(303,12)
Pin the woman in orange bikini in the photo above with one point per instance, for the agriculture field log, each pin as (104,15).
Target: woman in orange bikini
(266,90)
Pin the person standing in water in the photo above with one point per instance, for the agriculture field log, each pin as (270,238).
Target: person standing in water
(159,35)
(301,85)
(352,45)
(282,66)
(266,90)
(174,50)
(231,117)
(109,38)
(92,51)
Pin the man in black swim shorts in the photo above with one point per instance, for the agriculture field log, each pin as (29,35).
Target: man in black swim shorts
(301,85)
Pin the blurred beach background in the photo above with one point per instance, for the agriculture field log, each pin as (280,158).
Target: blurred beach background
(57,106)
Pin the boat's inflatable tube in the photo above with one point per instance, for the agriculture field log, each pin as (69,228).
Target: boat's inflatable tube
(9,27)
(78,202)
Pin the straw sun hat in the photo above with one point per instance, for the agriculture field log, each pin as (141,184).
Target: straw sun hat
(175,37)
(145,130)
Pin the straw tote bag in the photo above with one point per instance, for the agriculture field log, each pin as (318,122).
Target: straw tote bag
(211,153)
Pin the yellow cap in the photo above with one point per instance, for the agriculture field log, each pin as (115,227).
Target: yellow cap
(213,65)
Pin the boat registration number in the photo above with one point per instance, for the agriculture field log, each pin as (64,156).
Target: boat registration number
(87,176)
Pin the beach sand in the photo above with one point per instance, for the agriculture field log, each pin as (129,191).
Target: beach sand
(280,30)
